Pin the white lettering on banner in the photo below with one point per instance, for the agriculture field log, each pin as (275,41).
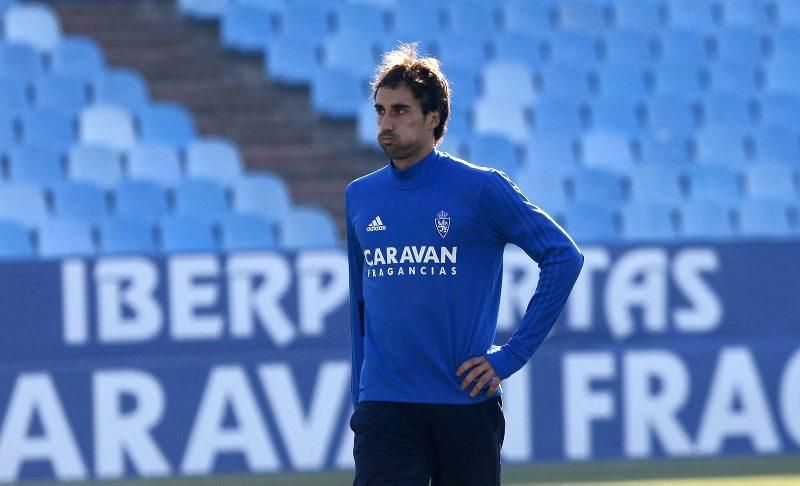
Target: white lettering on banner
(127,283)
(582,405)
(35,395)
(580,304)
(655,415)
(186,294)
(518,411)
(705,315)
(520,276)
(637,280)
(307,437)
(228,387)
(789,397)
(318,300)
(735,380)
(73,304)
(263,300)
(118,434)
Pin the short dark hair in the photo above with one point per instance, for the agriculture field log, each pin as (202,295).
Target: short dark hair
(423,76)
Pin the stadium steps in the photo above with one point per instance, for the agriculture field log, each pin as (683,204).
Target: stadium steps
(228,95)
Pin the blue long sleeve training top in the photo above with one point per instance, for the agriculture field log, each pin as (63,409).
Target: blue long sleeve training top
(425,250)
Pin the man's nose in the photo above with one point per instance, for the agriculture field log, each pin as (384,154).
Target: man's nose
(385,123)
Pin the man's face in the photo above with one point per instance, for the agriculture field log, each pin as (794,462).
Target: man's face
(403,131)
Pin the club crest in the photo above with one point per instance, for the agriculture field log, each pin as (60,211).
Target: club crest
(442,223)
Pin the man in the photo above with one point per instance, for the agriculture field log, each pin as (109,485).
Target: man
(425,238)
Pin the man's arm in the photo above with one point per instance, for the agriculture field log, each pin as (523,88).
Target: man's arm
(512,218)
(356,266)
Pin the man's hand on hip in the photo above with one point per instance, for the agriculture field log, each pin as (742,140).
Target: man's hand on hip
(481,370)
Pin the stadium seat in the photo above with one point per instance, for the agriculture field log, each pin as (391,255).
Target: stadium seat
(126,236)
(308,19)
(763,219)
(453,146)
(591,223)
(678,79)
(107,125)
(80,201)
(307,227)
(337,93)
(366,125)
(494,151)
(33,24)
(409,25)
(553,149)
(545,185)
(77,57)
(214,158)
(20,62)
(464,86)
(459,124)
(23,203)
(738,44)
(186,234)
(608,150)
(567,82)
(598,186)
(121,86)
(349,53)
(659,183)
(525,16)
(788,13)
(97,164)
(460,49)
(471,17)
(201,199)
(500,117)
(657,147)
(363,20)
(13,96)
(242,232)
(166,123)
(772,182)
(727,109)
(64,94)
(572,48)
(745,13)
(784,42)
(154,163)
(518,47)
(203,9)
(715,184)
(780,109)
(671,116)
(627,48)
(15,241)
(555,115)
(697,15)
(777,143)
(64,238)
(705,220)
(638,15)
(142,200)
(735,78)
(614,114)
(581,15)
(720,143)
(262,193)
(292,60)
(245,28)
(683,46)
(8,130)
(647,220)
(782,75)
(48,127)
(508,80)
(38,166)
(623,82)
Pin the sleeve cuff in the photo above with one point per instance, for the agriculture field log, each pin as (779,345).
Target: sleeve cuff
(503,361)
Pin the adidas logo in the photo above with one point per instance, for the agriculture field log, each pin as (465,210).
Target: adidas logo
(376,225)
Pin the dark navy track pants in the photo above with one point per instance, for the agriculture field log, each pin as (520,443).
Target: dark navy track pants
(400,443)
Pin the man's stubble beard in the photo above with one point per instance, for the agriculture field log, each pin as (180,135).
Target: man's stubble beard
(399,152)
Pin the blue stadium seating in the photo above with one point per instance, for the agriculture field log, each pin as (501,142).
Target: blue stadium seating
(682,46)
(154,163)
(36,166)
(80,201)
(609,150)
(241,232)
(494,151)
(782,75)
(15,241)
(679,79)
(500,117)
(107,125)
(598,186)
(509,80)
(628,47)
(120,86)
(780,109)
(460,49)
(8,130)
(262,193)
(464,86)
(623,81)
(788,13)
(717,185)
(64,94)
(734,77)
(214,158)
(201,199)
(554,149)
(292,60)
(777,143)
(246,28)
(740,45)
(126,236)
(721,143)
(647,221)
(166,123)
(20,61)
(23,203)
(203,9)
(554,115)
(306,19)
(519,47)
(97,164)
(366,125)
(365,21)
(671,116)
(33,24)
(186,234)
(76,57)
(695,15)
(614,114)
(307,227)
(12,95)
(772,181)
(639,15)
(48,127)
(409,25)
(141,200)
(784,43)
(349,53)
(471,17)
(658,183)
(726,109)
(590,223)
(572,48)
(337,93)
(705,220)
(581,15)
(663,148)
(563,81)
(763,219)
(745,13)
(63,238)
(525,16)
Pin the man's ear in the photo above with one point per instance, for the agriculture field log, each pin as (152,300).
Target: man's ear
(432,119)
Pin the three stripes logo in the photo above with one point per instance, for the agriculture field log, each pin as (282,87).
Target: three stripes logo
(376,225)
